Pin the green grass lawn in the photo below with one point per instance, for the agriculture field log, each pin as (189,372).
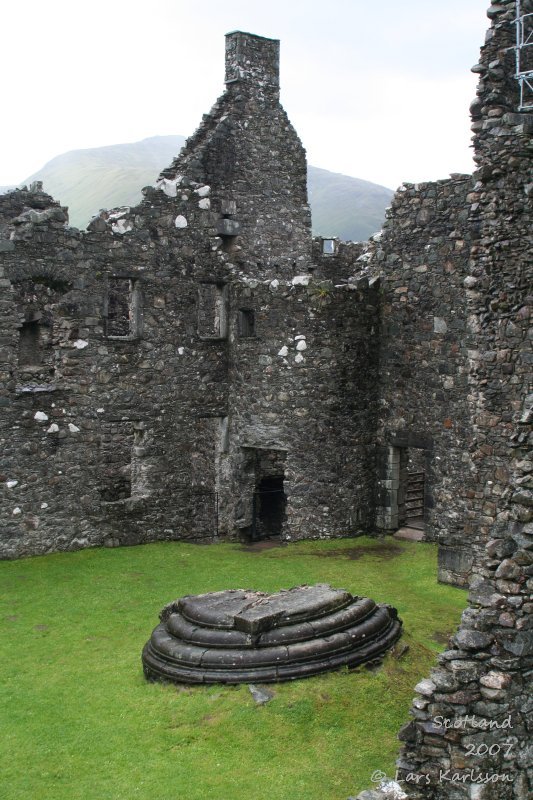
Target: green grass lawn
(78,720)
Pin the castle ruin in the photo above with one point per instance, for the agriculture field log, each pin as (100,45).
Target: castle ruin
(199,367)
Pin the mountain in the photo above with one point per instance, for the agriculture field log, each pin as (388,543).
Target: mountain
(349,208)
(105,177)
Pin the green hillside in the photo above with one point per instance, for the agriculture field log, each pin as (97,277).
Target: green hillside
(105,177)
(350,208)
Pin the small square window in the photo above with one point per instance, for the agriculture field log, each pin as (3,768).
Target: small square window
(328,247)
(246,323)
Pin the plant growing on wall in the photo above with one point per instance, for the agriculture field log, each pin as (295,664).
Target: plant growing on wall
(321,292)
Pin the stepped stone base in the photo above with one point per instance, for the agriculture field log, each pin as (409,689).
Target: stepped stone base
(242,636)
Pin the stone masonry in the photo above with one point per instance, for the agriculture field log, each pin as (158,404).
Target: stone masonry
(185,368)
(198,367)
(471,729)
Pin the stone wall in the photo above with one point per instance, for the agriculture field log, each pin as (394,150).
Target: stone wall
(305,385)
(471,729)
(422,255)
(180,343)
(248,151)
(167,370)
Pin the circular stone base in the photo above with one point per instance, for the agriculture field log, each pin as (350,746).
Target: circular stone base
(242,636)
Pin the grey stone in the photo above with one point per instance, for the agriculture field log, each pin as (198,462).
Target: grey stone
(508,569)
(520,644)
(228,227)
(237,635)
(473,640)
(261,696)
(425,687)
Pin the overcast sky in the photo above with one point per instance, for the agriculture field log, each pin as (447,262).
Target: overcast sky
(377,90)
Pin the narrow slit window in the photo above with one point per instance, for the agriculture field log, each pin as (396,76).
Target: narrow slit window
(212,311)
(246,323)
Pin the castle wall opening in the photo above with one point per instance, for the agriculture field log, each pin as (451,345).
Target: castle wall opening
(413,484)
(29,354)
(269,508)
(404,486)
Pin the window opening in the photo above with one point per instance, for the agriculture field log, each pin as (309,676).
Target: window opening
(123,308)
(30,354)
(246,323)
(212,311)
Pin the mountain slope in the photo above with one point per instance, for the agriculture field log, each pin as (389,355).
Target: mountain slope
(349,208)
(104,177)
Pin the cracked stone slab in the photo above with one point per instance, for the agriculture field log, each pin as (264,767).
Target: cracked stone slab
(243,636)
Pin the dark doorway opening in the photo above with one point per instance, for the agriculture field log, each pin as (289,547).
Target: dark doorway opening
(269,508)
(415,487)
(414,500)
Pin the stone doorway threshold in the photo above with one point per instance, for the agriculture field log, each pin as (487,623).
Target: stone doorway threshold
(412,534)
(413,530)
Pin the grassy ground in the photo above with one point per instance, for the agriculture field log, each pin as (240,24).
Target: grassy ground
(78,720)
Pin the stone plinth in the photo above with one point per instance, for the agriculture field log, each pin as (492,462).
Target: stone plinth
(239,636)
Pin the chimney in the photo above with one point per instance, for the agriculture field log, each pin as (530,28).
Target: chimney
(252,59)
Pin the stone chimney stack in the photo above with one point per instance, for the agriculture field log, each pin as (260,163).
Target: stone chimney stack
(252,59)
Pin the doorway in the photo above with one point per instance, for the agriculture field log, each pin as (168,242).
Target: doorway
(269,507)
(414,492)
(411,494)
(404,498)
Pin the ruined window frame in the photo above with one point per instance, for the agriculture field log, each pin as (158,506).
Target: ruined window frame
(134,308)
(30,354)
(221,304)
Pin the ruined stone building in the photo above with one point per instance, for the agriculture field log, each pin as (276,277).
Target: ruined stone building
(196,366)
(199,367)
